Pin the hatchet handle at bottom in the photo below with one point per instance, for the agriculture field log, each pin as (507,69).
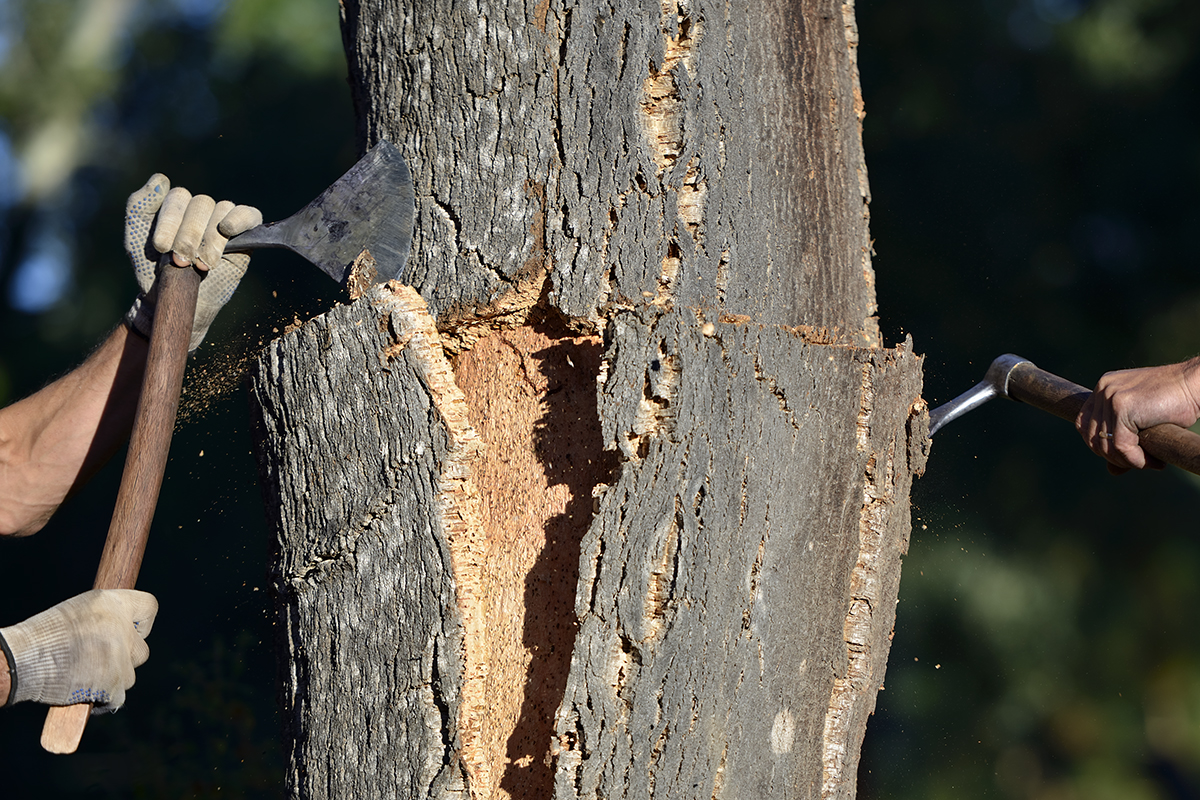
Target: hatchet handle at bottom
(149,444)
(1168,443)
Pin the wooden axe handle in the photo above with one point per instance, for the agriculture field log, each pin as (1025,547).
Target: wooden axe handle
(1168,443)
(149,444)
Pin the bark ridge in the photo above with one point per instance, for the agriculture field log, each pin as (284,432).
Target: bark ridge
(711,660)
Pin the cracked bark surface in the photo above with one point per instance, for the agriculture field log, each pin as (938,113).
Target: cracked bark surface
(373,687)
(607,496)
(738,585)
(702,151)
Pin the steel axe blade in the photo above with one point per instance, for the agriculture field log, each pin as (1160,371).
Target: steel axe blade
(369,208)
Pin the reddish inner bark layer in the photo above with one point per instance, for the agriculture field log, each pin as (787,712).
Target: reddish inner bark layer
(531,394)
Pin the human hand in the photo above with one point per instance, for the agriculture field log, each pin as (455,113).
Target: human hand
(1127,402)
(83,650)
(161,220)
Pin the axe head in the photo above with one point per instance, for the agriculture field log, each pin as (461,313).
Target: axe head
(994,384)
(369,210)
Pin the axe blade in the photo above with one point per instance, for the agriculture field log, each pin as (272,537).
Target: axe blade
(370,208)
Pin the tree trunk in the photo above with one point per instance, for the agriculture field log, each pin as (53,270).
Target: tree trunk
(607,497)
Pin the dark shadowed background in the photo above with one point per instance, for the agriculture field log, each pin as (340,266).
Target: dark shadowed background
(243,100)
(1033,166)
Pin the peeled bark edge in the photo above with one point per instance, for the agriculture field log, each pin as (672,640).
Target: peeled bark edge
(370,658)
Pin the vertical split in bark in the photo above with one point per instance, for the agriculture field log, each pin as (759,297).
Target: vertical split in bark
(458,501)
(686,175)
(864,189)
(509,460)
(664,123)
(515,500)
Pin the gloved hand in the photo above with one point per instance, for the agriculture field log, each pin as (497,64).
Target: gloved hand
(82,650)
(161,220)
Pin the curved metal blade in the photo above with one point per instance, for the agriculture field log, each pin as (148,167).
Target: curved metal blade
(994,384)
(369,208)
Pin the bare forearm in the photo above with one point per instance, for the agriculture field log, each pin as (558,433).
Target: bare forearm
(53,440)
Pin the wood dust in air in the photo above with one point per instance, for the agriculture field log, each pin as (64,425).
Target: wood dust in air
(217,374)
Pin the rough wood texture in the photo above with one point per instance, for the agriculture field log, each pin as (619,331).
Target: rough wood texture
(702,152)
(363,442)
(738,586)
(685,179)
(531,395)
(746,560)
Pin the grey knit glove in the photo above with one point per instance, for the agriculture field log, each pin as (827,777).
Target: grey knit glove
(82,650)
(161,220)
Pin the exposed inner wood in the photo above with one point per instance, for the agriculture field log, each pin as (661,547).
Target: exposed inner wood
(531,394)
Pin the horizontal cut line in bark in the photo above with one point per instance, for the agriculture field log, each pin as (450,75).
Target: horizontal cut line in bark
(461,326)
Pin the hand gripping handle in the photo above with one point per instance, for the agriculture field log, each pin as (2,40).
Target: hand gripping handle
(1168,443)
(149,444)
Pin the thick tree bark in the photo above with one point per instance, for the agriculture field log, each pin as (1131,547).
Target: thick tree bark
(611,501)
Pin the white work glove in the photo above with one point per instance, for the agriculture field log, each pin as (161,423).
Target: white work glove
(161,220)
(82,650)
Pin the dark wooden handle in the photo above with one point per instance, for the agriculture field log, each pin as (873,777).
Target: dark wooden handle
(149,444)
(1168,443)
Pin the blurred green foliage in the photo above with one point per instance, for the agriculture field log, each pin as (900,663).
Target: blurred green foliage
(1127,43)
(248,30)
(1034,166)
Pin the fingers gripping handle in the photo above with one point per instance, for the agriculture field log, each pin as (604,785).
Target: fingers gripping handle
(149,444)
(1062,398)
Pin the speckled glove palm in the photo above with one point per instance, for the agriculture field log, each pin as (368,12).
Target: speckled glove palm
(83,650)
(161,220)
